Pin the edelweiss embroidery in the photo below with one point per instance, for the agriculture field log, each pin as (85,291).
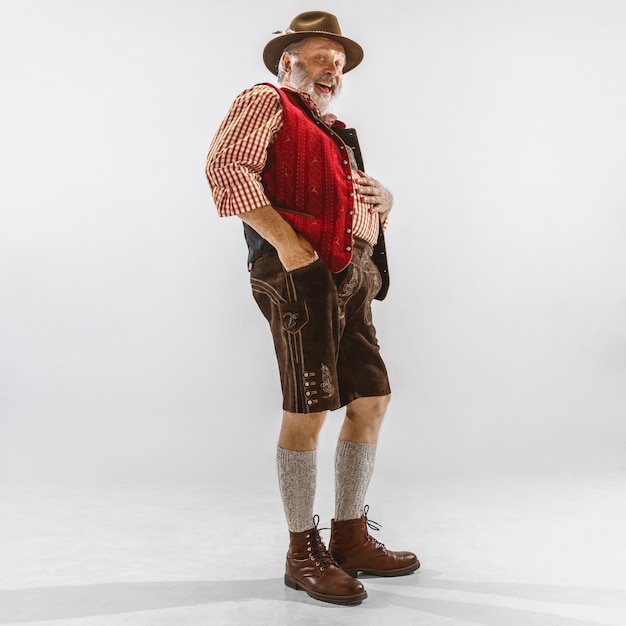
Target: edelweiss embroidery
(327,382)
(290,319)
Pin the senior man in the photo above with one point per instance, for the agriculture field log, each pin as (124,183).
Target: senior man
(314,221)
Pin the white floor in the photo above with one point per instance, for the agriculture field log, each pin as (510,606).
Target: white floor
(495,552)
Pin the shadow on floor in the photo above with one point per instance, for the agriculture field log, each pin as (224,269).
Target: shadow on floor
(75,601)
(561,594)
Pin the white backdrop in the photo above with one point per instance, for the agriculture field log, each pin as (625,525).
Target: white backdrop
(130,346)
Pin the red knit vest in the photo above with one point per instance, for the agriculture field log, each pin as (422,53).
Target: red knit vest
(308,180)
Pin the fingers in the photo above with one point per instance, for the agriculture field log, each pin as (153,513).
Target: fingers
(373,194)
(368,186)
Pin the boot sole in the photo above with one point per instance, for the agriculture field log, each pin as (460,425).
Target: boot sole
(354,599)
(388,573)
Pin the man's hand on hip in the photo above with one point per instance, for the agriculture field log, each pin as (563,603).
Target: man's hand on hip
(296,253)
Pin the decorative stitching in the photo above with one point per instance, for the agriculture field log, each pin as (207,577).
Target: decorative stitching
(261,286)
(327,382)
(348,290)
(290,320)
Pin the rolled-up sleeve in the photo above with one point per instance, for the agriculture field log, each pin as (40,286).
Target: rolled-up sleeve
(238,152)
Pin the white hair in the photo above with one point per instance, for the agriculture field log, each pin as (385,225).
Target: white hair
(292,49)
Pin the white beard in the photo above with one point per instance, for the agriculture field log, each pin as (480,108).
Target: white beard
(302,80)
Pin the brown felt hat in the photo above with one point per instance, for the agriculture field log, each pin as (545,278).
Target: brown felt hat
(311,24)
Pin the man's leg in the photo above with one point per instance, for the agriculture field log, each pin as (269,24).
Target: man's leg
(300,431)
(309,565)
(296,461)
(364,417)
(351,544)
(356,453)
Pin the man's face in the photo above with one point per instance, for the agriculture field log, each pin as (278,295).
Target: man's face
(318,70)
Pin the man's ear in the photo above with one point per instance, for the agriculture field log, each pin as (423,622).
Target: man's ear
(286,58)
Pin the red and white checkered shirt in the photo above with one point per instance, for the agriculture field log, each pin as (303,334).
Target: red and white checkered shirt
(238,154)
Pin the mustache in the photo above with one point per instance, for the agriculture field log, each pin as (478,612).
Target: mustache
(327,79)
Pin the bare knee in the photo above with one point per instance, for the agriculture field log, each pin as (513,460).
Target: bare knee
(300,431)
(364,417)
(373,408)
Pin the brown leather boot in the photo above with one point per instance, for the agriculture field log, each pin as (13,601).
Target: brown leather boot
(355,550)
(310,567)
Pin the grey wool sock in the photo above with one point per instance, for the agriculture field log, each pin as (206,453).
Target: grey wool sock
(354,464)
(297,478)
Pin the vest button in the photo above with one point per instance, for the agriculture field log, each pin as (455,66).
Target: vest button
(341,147)
(348,248)
(345,162)
(348,230)
(350,212)
(351,195)
(348,177)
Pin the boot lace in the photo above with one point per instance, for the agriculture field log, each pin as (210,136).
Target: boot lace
(375,526)
(318,552)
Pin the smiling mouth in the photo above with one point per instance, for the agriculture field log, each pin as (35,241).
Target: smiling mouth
(323,88)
